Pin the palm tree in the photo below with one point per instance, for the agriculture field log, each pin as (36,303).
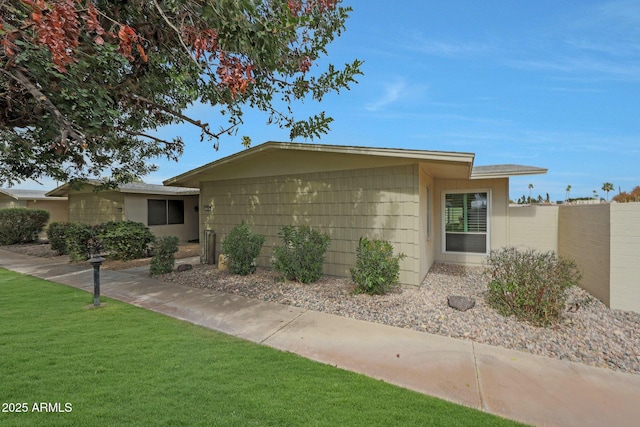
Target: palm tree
(607,186)
(568,190)
(530,188)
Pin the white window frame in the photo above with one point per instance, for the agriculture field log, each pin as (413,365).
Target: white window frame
(444,219)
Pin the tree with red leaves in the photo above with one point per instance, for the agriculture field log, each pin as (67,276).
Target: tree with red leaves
(83,82)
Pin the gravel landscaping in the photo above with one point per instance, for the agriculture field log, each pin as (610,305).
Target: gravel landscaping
(590,333)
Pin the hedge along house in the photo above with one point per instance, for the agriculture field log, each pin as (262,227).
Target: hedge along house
(34,199)
(432,206)
(171,211)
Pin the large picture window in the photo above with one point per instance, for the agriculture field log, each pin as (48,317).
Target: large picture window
(466,222)
(163,212)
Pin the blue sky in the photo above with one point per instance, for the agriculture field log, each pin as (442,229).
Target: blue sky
(540,83)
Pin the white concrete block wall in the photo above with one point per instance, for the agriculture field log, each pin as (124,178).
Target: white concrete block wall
(625,256)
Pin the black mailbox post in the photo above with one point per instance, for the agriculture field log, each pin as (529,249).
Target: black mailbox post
(96,261)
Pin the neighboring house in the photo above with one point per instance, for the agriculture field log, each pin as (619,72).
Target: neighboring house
(34,199)
(433,206)
(165,210)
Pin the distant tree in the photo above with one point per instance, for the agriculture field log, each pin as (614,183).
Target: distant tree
(548,199)
(530,188)
(568,192)
(84,83)
(624,197)
(606,187)
(595,194)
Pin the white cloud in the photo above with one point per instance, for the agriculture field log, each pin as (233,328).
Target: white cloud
(391,93)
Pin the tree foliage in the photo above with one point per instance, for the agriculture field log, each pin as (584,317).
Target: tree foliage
(85,82)
(626,197)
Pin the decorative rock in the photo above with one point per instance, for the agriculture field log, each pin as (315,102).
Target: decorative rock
(461,303)
(184,267)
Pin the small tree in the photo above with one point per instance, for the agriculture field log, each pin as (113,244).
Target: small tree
(568,193)
(530,188)
(606,187)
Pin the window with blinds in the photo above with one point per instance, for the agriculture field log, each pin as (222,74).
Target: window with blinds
(465,217)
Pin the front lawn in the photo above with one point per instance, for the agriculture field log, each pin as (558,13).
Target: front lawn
(63,363)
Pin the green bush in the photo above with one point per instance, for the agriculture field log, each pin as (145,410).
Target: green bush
(163,257)
(82,241)
(125,239)
(57,235)
(530,285)
(301,257)
(377,270)
(20,225)
(242,247)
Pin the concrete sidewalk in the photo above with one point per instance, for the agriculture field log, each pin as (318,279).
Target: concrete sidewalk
(512,384)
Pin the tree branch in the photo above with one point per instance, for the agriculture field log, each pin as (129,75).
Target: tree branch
(173,27)
(66,127)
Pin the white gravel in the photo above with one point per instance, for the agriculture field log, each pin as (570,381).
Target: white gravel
(589,333)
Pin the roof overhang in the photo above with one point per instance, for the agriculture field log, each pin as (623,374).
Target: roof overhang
(18,194)
(505,171)
(129,188)
(329,157)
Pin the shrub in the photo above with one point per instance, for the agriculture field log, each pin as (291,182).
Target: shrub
(302,254)
(125,239)
(242,247)
(57,235)
(163,258)
(377,270)
(82,241)
(19,225)
(530,285)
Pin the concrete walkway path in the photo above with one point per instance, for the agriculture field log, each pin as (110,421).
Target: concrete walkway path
(512,384)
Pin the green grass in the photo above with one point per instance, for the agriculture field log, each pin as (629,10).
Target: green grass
(122,365)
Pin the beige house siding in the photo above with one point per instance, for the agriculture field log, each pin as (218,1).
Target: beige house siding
(381,202)
(498,216)
(625,256)
(8,203)
(584,236)
(426,222)
(136,209)
(89,207)
(534,227)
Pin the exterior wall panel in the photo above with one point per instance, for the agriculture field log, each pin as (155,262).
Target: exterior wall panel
(89,207)
(584,236)
(534,227)
(625,256)
(381,203)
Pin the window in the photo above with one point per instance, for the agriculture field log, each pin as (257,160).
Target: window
(162,212)
(466,222)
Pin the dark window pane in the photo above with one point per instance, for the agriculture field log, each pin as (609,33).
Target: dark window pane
(156,212)
(473,243)
(176,211)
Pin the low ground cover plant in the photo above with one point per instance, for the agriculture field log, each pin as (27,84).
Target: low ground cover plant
(302,253)
(164,252)
(242,247)
(21,225)
(530,285)
(377,270)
